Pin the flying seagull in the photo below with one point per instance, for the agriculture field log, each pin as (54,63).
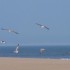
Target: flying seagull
(16,50)
(42,26)
(9,30)
(42,50)
(2,41)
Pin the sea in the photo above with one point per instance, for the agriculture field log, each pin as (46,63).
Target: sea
(51,52)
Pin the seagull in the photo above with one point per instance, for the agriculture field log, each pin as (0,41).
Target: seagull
(42,26)
(9,30)
(42,50)
(16,50)
(2,41)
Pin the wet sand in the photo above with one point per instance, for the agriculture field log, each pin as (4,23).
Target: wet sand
(33,64)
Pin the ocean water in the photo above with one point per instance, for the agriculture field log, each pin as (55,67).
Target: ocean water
(52,52)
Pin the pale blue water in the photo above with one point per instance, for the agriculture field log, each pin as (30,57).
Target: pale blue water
(56,52)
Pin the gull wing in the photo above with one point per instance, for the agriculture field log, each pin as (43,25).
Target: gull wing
(4,29)
(46,27)
(38,24)
(17,48)
(14,32)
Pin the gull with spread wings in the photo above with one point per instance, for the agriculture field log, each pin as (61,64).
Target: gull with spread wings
(2,41)
(42,50)
(9,30)
(42,26)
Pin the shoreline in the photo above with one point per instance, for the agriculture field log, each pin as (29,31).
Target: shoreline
(37,58)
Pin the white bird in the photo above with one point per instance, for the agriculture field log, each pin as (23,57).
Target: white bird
(42,50)
(9,30)
(16,50)
(2,41)
(42,26)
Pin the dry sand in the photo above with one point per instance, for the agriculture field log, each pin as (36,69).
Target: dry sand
(33,64)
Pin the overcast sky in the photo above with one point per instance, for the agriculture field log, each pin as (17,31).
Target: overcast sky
(21,16)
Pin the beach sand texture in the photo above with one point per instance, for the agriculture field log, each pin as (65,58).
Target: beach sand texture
(33,64)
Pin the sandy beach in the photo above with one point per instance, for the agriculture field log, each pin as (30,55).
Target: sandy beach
(33,64)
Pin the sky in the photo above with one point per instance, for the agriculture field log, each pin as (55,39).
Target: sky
(21,16)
